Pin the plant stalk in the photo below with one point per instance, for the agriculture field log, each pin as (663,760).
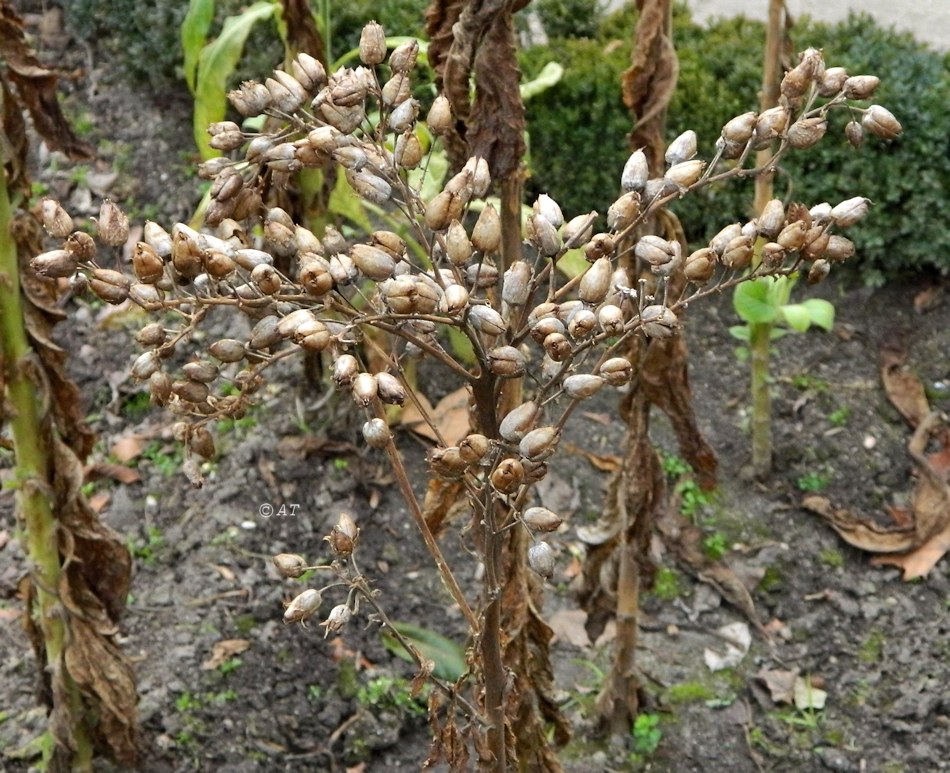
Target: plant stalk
(33,487)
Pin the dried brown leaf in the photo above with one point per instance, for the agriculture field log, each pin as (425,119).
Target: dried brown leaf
(918,562)
(903,388)
(781,684)
(118,472)
(602,462)
(450,417)
(444,500)
(224,650)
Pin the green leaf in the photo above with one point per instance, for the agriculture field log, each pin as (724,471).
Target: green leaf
(780,289)
(796,316)
(194,32)
(345,202)
(572,263)
(461,345)
(822,312)
(751,301)
(449,657)
(741,332)
(216,64)
(550,74)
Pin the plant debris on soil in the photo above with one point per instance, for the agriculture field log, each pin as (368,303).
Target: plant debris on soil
(838,663)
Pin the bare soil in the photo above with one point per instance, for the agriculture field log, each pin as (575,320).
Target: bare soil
(295,700)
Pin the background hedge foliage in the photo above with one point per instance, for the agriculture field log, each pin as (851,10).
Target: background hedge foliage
(578,131)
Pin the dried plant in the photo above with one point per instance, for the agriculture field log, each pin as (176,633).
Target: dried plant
(388,297)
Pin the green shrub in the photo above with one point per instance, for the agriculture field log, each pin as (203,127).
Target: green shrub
(578,131)
(398,17)
(570,18)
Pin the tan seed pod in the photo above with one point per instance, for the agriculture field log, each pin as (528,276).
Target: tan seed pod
(56,220)
(454,300)
(160,388)
(373,262)
(345,369)
(860,86)
(227,350)
(682,149)
(578,230)
(200,370)
(797,80)
(543,235)
(153,334)
(596,281)
(342,270)
(686,173)
(113,224)
(111,286)
(191,391)
(600,246)
(539,444)
(218,265)
(304,606)
(403,58)
(396,90)
(486,320)
(145,365)
(201,442)
(482,275)
(376,433)
(546,326)
(251,99)
(635,173)
(439,119)
(290,565)
(832,81)
(557,347)
(443,209)
(403,117)
(654,250)
(55,264)
(658,322)
(473,448)
(369,186)
(81,246)
(739,130)
(541,311)
(580,386)
(770,221)
(581,323)
(616,371)
(315,274)
(738,253)
(506,362)
(816,241)
(408,152)
(507,476)
(807,132)
(546,207)
(149,297)
(458,247)
(773,256)
(850,211)
(881,123)
(147,263)
(541,559)
(541,519)
(700,265)
(610,318)
(265,333)
(337,620)
(854,133)
(390,389)
(770,124)
(309,72)
(623,212)
(344,119)
(447,462)
(792,236)
(267,279)
(519,421)
(372,44)
(486,234)
(818,271)
(838,249)
(289,324)
(286,94)
(365,388)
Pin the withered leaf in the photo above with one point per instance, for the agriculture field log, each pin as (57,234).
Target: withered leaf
(224,650)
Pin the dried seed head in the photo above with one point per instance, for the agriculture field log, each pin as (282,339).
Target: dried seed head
(390,389)
(191,391)
(538,444)
(478,169)
(267,279)
(282,96)
(145,365)
(482,275)
(454,300)
(408,152)
(807,132)
(838,248)
(55,264)
(797,80)
(345,370)
(311,74)
(881,123)
(251,99)
(773,256)
(113,224)
(611,319)
(635,173)
(201,442)
(557,347)
(290,565)
(600,246)
(227,350)
(396,90)
(336,621)
(345,119)
(771,219)
(860,86)
(56,220)
(582,385)
(854,133)
(541,559)
(596,281)
(832,81)
(304,606)
(372,44)
(739,130)
(850,211)
(473,448)
(623,212)
(816,240)
(439,120)
(365,389)
(344,536)
(519,421)
(265,334)
(818,271)
(738,253)
(376,433)
(403,58)
(616,371)
(683,148)
(516,289)
(545,327)
(447,462)
(443,209)
(486,320)
(202,371)
(659,322)
(541,519)
(654,250)
(581,323)
(160,388)
(506,362)
(373,262)
(403,117)
(543,235)
(153,334)
(158,239)
(548,208)
(486,234)
(507,476)
(111,286)
(700,265)
(792,236)
(578,230)
(770,124)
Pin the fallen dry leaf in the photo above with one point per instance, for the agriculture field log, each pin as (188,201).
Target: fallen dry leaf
(928,299)
(603,462)
(129,447)
(225,571)
(224,650)
(100,501)
(919,562)
(807,696)
(568,625)
(781,684)
(118,472)
(903,388)
(450,417)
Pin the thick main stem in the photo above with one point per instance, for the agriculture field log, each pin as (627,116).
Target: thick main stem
(33,468)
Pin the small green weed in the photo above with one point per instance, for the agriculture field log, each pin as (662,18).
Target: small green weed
(166,459)
(187,702)
(146,551)
(340,464)
(389,692)
(229,665)
(805,381)
(136,405)
(688,692)
(840,416)
(831,557)
(692,497)
(646,735)
(872,648)
(813,481)
(715,545)
(666,584)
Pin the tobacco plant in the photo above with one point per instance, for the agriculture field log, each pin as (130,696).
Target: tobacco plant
(390,298)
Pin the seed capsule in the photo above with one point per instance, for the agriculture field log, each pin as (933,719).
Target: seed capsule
(191,391)
(854,133)
(818,271)
(344,371)
(557,347)
(251,99)
(506,362)
(581,323)
(538,444)
(683,148)
(769,125)
(408,152)
(227,350)
(372,44)
(486,320)
(685,174)
(454,300)
(596,281)
(832,82)
(153,334)
(55,264)
(616,371)
(659,322)
(200,370)
(447,462)
(816,240)
(700,265)
(486,234)
(740,129)
(376,433)
(738,253)
(635,173)
(365,389)
(838,248)
(773,255)
(543,235)
(541,559)
(516,289)
(56,220)
(145,365)
(582,385)
(290,565)
(111,286)
(265,333)
(403,58)
(403,117)
(113,224)
(304,606)
(439,120)
(309,72)
(336,621)
(519,421)
(473,448)
(507,476)
(201,442)
(850,211)
(541,519)
(443,209)
(373,262)
(610,318)
(807,132)
(860,86)
(548,208)
(881,123)
(390,389)
(792,236)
